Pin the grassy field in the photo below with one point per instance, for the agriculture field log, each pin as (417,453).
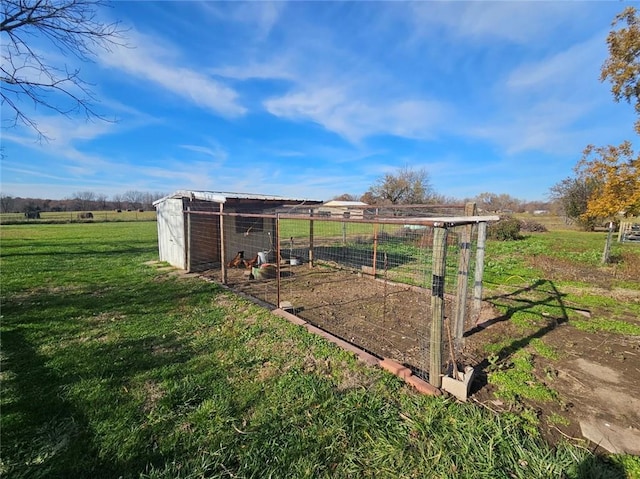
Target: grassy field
(112,367)
(74,216)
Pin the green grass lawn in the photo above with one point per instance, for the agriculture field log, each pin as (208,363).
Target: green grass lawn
(74,216)
(114,368)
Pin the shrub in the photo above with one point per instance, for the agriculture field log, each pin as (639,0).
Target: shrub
(506,229)
(532,227)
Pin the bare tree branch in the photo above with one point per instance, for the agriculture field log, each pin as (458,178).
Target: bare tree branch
(71,26)
(406,186)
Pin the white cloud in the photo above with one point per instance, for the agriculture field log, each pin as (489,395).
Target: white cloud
(565,69)
(355,118)
(260,17)
(278,68)
(60,130)
(517,22)
(547,126)
(216,152)
(152,62)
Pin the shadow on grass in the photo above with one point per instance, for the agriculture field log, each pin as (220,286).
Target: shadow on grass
(547,297)
(517,302)
(68,357)
(47,435)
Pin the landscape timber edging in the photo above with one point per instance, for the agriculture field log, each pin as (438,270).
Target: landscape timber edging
(387,364)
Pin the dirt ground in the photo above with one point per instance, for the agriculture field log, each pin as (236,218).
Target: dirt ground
(384,318)
(597,378)
(597,375)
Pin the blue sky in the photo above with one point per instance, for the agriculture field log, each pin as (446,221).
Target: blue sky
(316,99)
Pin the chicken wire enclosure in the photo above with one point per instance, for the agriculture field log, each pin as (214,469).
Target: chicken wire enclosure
(371,280)
(190,234)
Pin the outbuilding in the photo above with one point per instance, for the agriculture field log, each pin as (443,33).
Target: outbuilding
(344,209)
(194,226)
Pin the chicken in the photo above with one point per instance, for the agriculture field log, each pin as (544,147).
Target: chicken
(252,262)
(237,261)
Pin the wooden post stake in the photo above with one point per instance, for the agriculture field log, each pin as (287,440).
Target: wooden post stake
(463,279)
(437,305)
(477,284)
(623,226)
(607,246)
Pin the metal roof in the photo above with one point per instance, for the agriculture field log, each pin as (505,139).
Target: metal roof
(344,204)
(223,196)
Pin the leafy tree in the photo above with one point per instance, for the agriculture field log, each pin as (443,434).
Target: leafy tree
(615,172)
(622,67)
(72,27)
(406,186)
(573,195)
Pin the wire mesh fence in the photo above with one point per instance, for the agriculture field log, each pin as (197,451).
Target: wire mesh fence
(77,216)
(372,278)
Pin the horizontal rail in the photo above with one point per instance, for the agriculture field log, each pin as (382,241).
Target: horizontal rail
(442,221)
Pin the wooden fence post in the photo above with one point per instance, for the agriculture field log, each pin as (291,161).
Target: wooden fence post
(437,305)
(463,279)
(477,284)
(621,231)
(607,246)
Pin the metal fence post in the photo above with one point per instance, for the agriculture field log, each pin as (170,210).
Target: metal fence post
(311,239)
(223,266)
(278,256)
(188,240)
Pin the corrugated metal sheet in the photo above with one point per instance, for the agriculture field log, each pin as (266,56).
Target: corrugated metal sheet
(223,196)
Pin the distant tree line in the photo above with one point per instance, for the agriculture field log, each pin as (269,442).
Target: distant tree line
(409,186)
(81,201)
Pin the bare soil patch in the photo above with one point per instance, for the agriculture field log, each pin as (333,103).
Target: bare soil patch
(384,318)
